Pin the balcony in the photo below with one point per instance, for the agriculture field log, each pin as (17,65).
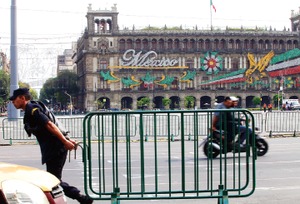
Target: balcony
(103,90)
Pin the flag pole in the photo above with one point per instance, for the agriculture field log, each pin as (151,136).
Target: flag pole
(211,26)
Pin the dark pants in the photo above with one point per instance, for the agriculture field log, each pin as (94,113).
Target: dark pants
(243,133)
(55,167)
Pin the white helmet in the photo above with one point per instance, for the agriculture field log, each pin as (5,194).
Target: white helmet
(233,98)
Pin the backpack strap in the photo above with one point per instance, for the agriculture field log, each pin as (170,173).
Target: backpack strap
(45,110)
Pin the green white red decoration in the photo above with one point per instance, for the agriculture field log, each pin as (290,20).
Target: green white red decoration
(211,63)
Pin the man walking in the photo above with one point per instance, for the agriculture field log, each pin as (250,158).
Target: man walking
(53,144)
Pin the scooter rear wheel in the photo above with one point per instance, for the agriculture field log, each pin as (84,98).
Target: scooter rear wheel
(261,147)
(210,151)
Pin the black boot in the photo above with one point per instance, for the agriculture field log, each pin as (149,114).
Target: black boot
(83,199)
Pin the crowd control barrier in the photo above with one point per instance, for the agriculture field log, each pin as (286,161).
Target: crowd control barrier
(13,129)
(142,168)
(268,123)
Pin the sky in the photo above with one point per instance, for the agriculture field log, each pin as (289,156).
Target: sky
(46,28)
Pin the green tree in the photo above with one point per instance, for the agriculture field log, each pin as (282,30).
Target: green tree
(100,104)
(189,102)
(143,102)
(32,92)
(4,87)
(166,102)
(256,101)
(55,89)
(277,98)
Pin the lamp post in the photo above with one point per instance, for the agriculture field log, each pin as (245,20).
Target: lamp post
(70,102)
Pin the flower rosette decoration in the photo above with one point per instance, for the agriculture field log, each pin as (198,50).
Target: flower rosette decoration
(211,63)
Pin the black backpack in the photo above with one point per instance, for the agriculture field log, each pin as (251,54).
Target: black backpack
(51,116)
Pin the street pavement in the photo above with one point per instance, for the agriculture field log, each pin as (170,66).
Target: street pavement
(277,173)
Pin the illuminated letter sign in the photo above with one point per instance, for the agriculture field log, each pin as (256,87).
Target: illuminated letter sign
(130,58)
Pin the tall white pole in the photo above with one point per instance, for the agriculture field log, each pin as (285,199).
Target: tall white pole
(12,111)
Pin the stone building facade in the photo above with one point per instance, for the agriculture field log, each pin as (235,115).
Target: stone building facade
(116,68)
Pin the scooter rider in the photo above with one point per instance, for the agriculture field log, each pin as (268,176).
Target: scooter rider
(225,121)
(219,119)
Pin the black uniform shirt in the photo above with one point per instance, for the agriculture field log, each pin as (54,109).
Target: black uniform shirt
(51,146)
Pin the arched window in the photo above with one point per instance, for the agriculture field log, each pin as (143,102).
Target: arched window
(176,44)
(185,44)
(281,44)
(216,44)
(161,44)
(109,25)
(261,44)
(267,45)
(170,44)
(275,45)
(138,44)
(238,44)
(289,45)
(246,44)
(295,42)
(231,44)
(192,46)
(122,45)
(207,44)
(154,44)
(223,44)
(145,44)
(201,44)
(252,44)
(129,44)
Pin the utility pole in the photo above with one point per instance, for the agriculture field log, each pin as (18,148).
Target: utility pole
(12,111)
(70,102)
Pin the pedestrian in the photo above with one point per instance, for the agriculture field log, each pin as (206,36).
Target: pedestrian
(54,145)
(265,107)
(284,107)
(270,107)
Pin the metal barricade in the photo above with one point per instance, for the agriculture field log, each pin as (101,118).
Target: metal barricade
(282,122)
(127,169)
(13,129)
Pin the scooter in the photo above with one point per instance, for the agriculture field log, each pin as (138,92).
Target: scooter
(215,143)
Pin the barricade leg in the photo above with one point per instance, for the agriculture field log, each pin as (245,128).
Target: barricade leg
(115,195)
(224,195)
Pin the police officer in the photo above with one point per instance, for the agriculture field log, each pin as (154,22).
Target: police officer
(53,144)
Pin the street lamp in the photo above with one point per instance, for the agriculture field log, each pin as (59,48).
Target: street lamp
(70,102)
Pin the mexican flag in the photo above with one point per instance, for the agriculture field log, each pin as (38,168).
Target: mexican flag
(213,6)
